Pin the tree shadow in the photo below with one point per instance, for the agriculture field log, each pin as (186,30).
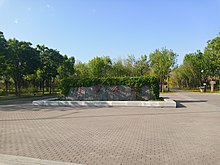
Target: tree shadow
(65,116)
(31,108)
(28,100)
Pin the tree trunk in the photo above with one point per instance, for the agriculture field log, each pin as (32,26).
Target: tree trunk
(23,85)
(161,84)
(50,82)
(6,87)
(19,84)
(42,87)
(16,87)
(34,82)
(47,84)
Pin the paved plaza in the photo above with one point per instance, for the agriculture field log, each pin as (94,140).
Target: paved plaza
(187,135)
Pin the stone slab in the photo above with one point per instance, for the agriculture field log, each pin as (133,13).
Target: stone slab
(167,103)
(109,93)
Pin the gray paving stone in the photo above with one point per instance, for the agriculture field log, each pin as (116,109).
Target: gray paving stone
(186,135)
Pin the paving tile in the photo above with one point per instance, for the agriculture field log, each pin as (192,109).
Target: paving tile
(119,136)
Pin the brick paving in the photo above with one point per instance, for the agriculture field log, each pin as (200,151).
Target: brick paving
(188,135)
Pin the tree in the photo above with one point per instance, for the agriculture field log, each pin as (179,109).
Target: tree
(23,59)
(142,66)
(191,74)
(25,66)
(81,69)
(212,57)
(130,66)
(194,67)
(161,63)
(50,61)
(3,58)
(130,63)
(118,68)
(3,52)
(100,67)
(66,69)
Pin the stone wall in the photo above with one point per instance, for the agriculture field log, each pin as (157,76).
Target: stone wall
(109,93)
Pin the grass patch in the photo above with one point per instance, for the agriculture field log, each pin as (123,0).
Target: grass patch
(25,95)
(13,96)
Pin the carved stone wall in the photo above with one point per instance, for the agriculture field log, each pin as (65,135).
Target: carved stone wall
(109,93)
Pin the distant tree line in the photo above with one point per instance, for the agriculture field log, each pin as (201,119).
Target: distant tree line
(24,68)
(159,65)
(198,68)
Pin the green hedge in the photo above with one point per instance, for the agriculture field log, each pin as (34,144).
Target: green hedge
(68,83)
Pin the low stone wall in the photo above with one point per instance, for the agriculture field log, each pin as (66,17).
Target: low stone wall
(109,93)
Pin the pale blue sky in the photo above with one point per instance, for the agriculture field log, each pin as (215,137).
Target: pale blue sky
(116,28)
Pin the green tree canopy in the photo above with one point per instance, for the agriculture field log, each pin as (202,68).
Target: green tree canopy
(191,73)
(142,66)
(212,57)
(23,59)
(100,67)
(119,69)
(50,59)
(81,69)
(66,69)
(161,63)
(3,52)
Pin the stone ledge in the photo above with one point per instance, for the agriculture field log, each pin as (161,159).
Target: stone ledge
(167,103)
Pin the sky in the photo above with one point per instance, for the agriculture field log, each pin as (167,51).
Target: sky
(116,28)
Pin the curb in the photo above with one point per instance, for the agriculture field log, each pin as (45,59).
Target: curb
(167,103)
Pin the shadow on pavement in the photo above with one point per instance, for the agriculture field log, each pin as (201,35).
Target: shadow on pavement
(180,105)
(18,101)
(65,116)
(191,101)
(29,107)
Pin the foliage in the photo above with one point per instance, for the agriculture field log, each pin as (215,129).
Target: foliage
(81,69)
(68,83)
(3,52)
(119,69)
(212,57)
(23,60)
(51,60)
(66,69)
(99,67)
(161,63)
(191,72)
(198,67)
(142,66)
(23,66)
(130,65)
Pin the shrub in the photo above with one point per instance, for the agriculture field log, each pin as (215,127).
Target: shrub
(138,82)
